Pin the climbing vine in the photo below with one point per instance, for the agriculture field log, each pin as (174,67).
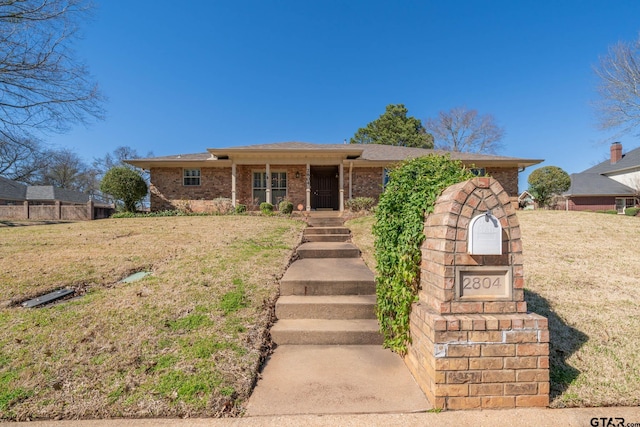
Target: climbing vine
(411,192)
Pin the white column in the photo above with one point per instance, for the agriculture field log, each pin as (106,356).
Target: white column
(341,184)
(233,184)
(308,183)
(268,183)
(350,180)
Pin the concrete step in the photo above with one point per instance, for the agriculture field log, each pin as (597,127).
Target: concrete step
(328,250)
(326,307)
(325,230)
(325,222)
(327,238)
(326,332)
(328,276)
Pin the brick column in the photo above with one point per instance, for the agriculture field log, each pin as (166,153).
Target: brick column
(476,351)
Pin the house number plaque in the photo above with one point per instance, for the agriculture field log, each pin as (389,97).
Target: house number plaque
(483,283)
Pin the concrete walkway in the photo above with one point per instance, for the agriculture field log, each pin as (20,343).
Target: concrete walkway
(329,358)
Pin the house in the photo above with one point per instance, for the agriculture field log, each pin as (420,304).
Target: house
(46,202)
(526,201)
(612,184)
(311,176)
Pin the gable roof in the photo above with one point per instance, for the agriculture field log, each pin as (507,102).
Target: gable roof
(51,193)
(357,153)
(12,190)
(630,160)
(594,184)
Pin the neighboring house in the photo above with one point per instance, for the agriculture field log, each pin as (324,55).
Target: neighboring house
(526,201)
(20,201)
(612,184)
(311,176)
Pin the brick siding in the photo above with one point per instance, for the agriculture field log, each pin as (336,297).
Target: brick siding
(167,191)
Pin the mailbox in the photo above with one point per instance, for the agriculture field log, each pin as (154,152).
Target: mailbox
(485,235)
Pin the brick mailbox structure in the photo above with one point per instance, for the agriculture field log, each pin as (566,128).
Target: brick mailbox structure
(474,345)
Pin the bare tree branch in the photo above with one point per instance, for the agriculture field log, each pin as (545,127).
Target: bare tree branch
(465,130)
(618,106)
(43,86)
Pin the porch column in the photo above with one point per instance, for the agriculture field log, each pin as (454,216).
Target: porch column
(350,180)
(341,184)
(268,191)
(233,184)
(308,183)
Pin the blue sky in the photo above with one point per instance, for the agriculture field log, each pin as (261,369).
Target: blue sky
(182,77)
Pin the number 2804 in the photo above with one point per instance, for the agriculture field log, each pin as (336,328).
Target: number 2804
(476,282)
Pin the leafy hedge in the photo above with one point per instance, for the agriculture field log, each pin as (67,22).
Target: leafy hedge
(359,204)
(412,191)
(631,211)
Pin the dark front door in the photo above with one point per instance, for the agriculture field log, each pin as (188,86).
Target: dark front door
(324,187)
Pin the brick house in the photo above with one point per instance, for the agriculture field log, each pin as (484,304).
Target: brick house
(311,176)
(612,184)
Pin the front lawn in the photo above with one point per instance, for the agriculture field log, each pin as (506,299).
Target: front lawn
(184,341)
(581,271)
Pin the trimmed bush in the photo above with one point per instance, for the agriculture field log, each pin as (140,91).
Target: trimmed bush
(285,207)
(412,191)
(240,208)
(266,208)
(360,204)
(631,211)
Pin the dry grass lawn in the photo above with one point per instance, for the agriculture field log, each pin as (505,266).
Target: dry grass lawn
(185,341)
(582,272)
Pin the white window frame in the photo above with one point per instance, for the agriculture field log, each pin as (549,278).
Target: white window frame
(191,176)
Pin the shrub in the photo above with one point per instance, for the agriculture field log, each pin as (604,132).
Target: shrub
(266,208)
(412,191)
(124,184)
(222,206)
(631,211)
(285,207)
(240,208)
(360,204)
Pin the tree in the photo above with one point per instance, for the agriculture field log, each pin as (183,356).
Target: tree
(125,185)
(465,130)
(619,87)
(546,182)
(65,169)
(44,87)
(393,127)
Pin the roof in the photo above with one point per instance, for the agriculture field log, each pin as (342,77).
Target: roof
(12,190)
(594,184)
(357,153)
(630,160)
(595,181)
(51,193)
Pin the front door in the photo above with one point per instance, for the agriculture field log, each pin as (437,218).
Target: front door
(324,187)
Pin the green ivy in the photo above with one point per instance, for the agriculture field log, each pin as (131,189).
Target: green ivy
(411,192)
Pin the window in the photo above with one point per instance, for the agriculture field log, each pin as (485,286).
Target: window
(190,177)
(385,177)
(278,187)
(623,203)
(479,171)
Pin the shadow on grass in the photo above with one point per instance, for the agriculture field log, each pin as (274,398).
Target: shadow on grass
(26,222)
(564,341)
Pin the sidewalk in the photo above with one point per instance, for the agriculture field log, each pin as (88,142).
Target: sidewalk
(489,418)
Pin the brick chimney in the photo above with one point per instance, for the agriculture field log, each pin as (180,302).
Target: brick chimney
(616,152)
